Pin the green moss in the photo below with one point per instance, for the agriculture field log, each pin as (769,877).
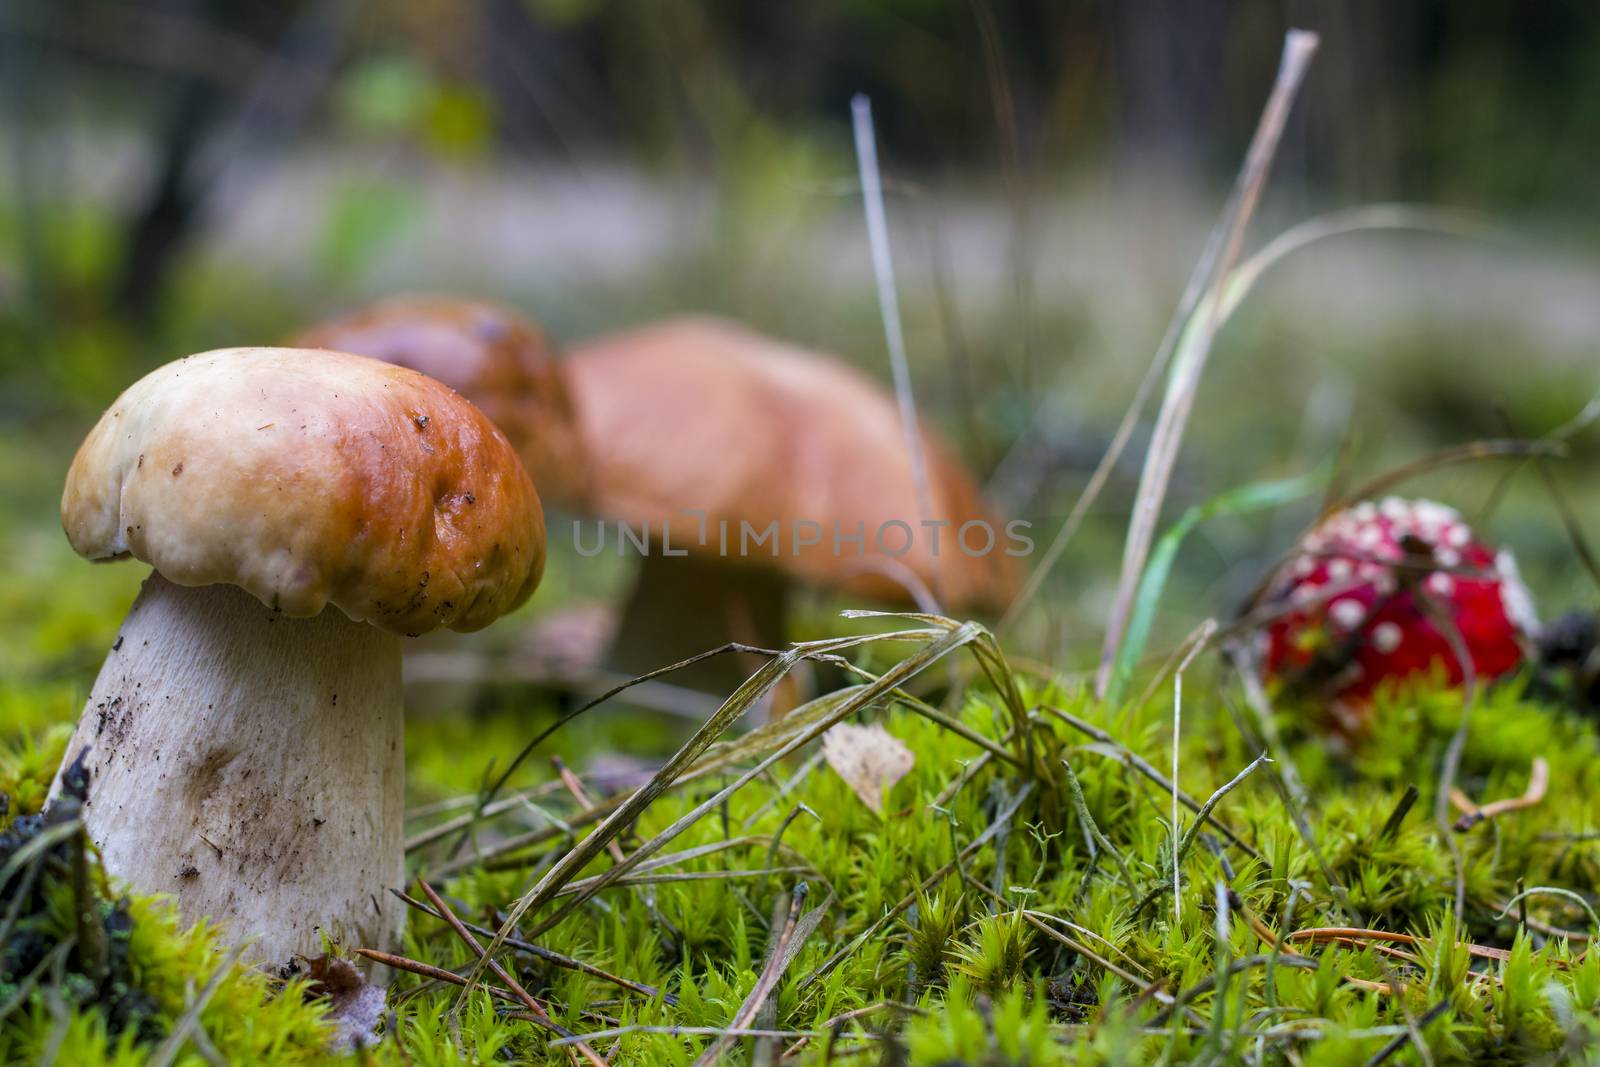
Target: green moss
(976,982)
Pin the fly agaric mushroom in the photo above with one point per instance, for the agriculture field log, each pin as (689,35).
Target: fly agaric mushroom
(301,510)
(489,354)
(699,430)
(1374,593)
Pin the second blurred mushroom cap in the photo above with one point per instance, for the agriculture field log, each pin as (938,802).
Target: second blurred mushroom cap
(702,413)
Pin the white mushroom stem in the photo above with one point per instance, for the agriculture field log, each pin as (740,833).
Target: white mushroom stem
(251,765)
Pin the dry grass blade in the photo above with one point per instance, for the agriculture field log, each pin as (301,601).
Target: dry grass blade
(1412,1034)
(428,970)
(716,759)
(1038,919)
(1211,802)
(1109,746)
(1350,220)
(888,300)
(935,650)
(990,832)
(742,699)
(789,940)
(589,886)
(753,689)
(1282,774)
(684,1031)
(444,829)
(949,722)
(1239,966)
(1555,891)
(768,735)
(570,963)
(1558,500)
(540,1014)
(1094,840)
(527,750)
(167,1052)
(1472,814)
(1355,935)
(38,845)
(1190,358)
(1197,640)
(1472,451)
(1193,830)
(22,989)
(1450,766)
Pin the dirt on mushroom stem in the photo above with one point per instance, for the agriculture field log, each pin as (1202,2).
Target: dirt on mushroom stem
(227,777)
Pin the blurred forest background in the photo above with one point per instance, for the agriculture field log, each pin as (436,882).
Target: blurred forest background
(188,174)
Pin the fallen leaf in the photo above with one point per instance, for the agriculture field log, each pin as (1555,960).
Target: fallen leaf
(869,759)
(355,1007)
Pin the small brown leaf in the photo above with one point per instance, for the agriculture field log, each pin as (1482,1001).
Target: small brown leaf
(355,1007)
(869,759)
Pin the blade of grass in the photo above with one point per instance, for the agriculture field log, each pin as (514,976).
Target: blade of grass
(864,697)
(795,931)
(1239,285)
(540,1014)
(989,833)
(752,690)
(1109,746)
(1194,346)
(888,300)
(1242,500)
(167,1052)
(539,952)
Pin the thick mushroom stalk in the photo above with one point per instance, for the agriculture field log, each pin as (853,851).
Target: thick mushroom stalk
(252,766)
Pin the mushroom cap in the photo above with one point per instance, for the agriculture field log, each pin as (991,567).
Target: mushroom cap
(1349,616)
(308,478)
(701,413)
(491,355)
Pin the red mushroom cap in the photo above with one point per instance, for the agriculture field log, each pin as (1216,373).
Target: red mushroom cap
(1361,600)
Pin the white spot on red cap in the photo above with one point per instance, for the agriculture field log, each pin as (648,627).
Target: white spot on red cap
(1346,613)
(1435,513)
(1386,637)
(1441,584)
(1514,596)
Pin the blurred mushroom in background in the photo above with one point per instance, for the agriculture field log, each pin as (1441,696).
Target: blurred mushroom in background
(749,465)
(489,354)
(734,465)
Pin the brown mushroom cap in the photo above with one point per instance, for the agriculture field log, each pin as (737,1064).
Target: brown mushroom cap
(491,355)
(701,413)
(308,478)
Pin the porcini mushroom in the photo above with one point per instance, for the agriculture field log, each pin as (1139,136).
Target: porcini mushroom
(490,354)
(704,434)
(1387,590)
(302,510)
